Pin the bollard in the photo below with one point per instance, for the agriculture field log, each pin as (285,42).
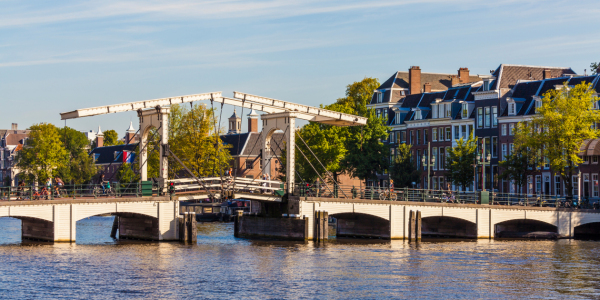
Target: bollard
(237,223)
(411,226)
(418,225)
(185,226)
(321,226)
(193,230)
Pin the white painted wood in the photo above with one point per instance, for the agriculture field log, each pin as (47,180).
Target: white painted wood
(44,211)
(62,223)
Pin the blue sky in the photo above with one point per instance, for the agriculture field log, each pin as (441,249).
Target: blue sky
(57,56)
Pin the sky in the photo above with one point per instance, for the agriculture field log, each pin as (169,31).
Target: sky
(58,56)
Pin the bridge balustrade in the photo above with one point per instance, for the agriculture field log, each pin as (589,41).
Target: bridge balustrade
(429,195)
(39,192)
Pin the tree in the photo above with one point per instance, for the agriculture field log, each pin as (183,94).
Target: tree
(560,126)
(195,140)
(127,173)
(367,155)
(595,67)
(359,94)
(328,143)
(111,138)
(79,167)
(403,170)
(43,152)
(518,165)
(460,162)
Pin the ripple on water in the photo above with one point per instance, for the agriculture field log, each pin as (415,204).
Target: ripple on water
(221,266)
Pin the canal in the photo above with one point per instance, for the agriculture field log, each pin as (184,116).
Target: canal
(221,266)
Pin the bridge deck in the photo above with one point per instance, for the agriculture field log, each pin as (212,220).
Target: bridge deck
(83,200)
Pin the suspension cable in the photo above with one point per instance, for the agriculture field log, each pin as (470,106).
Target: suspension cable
(326,171)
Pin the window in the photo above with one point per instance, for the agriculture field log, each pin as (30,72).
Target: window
(434,153)
(470,132)
(418,160)
(538,105)
(442,158)
(503,129)
(403,136)
(379,97)
(434,134)
(378,113)
(465,110)
(96,156)
(384,113)
(494,146)
(418,137)
(425,135)
(487,117)
(249,164)
(511,148)
(511,129)
(426,159)
(494,116)
(479,117)
(538,184)
(595,159)
(529,184)
(595,185)
(448,134)
(448,110)
(575,185)
(398,120)
(504,154)
(434,113)
(511,109)
(441,110)
(586,159)
(456,132)
(435,186)
(557,185)
(464,132)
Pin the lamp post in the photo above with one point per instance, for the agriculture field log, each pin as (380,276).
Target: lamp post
(429,162)
(483,161)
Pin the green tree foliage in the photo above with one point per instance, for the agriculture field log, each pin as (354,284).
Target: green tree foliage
(359,94)
(43,153)
(328,143)
(403,170)
(195,140)
(127,173)
(79,167)
(518,165)
(595,66)
(460,162)
(111,138)
(367,155)
(559,128)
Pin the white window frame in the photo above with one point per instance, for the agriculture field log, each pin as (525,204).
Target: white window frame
(434,134)
(511,129)
(504,151)
(503,129)
(557,187)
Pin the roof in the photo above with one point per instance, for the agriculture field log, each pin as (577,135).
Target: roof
(248,143)
(439,81)
(107,154)
(15,138)
(507,75)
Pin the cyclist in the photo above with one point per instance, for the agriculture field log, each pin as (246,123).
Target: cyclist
(59,184)
(102,184)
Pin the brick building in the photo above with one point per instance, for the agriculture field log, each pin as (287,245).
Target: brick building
(11,141)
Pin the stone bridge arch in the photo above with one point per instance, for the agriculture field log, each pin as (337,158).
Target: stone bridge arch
(353,224)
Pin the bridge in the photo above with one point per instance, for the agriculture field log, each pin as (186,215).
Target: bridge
(390,219)
(146,218)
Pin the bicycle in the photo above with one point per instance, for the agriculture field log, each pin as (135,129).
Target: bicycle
(108,191)
(388,194)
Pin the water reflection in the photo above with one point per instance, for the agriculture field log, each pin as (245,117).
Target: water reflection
(221,266)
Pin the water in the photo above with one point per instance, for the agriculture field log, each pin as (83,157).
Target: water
(221,266)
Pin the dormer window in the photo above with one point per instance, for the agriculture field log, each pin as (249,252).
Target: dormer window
(465,110)
(486,84)
(398,118)
(512,109)
(538,104)
(379,97)
(434,113)
(418,115)
(448,110)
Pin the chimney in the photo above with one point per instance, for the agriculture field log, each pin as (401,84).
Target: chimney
(427,87)
(547,74)
(454,80)
(463,75)
(253,121)
(414,80)
(99,138)
(13,126)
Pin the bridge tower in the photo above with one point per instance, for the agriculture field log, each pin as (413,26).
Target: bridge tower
(286,122)
(154,118)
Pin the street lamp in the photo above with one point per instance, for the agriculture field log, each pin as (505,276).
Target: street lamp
(428,161)
(483,162)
